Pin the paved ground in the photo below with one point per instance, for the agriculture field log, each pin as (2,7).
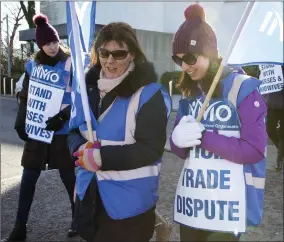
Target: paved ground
(50,214)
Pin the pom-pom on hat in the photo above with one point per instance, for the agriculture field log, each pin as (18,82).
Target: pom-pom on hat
(45,33)
(195,35)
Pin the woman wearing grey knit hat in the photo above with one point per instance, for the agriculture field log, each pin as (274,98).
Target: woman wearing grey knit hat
(221,188)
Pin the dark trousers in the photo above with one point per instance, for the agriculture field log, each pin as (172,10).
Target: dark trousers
(189,234)
(273,117)
(27,190)
(94,224)
(139,228)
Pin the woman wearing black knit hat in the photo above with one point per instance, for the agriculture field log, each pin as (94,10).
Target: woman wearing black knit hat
(42,123)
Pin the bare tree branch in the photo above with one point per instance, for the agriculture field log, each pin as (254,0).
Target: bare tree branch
(9,9)
(17,17)
(29,12)
(24,8)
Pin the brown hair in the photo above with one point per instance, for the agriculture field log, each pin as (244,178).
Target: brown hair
(38,56)
(119,32)
(189,87)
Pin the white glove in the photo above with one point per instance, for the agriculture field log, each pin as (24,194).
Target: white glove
(187,133)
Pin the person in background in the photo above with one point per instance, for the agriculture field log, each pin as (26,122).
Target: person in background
(195,51)
(37,155)
(118,175)
(275,122)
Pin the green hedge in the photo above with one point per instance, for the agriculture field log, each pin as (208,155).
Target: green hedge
(252,70)
(171,76)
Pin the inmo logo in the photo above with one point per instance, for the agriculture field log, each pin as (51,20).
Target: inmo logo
(49,75)
(216,110)
(271,21)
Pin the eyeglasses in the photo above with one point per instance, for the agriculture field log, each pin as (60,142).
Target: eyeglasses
(189,59)
(116,54)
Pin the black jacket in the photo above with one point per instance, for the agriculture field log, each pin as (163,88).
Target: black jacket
(151,123)
(36,153)
(150,136)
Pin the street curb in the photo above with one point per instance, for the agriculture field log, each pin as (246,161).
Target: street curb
(7,97)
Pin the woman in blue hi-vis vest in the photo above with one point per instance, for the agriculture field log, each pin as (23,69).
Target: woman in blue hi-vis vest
(45,139)
(118,175)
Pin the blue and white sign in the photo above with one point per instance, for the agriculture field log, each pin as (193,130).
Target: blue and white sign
(261,40)
(45,95)
(211,190)
(83,20)
(219,114)
(271,77)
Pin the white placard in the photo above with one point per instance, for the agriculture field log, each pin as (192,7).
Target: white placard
(211,194)
(271,77)
(45,95)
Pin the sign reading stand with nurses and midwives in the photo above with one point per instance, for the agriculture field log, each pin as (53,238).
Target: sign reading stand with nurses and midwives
(272,79)
(45,95)
(211,192)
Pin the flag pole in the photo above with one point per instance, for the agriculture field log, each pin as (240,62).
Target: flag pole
(224,62)
(80,71)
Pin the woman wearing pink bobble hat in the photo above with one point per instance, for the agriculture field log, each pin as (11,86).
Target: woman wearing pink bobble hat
(221,187)
(38,154)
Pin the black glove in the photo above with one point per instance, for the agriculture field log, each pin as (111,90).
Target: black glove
(22,132)
(20,122)
(56,122)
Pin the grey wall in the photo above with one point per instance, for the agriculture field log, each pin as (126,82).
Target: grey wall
(157,48)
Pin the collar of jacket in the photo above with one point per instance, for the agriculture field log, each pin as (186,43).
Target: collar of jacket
(44,59)
(141,76)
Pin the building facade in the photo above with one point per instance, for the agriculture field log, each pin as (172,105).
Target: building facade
(155,23)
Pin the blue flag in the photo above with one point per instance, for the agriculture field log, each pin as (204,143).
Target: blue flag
(83,20)
(261,40)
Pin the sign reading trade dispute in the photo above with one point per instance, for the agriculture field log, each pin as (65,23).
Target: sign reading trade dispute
(211,190)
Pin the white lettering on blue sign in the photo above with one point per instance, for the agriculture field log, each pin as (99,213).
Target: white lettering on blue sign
(46,74)
(215,110)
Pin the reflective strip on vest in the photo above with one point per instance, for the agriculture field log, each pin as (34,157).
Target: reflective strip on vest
(233,94)
(146,171)
(254,184)
(257,182)
(130,127)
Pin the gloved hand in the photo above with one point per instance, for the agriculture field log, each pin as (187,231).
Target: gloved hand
(187,133)
(21,131)
(89,156)
(56,122)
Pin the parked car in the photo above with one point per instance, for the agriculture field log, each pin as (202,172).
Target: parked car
(19,87)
